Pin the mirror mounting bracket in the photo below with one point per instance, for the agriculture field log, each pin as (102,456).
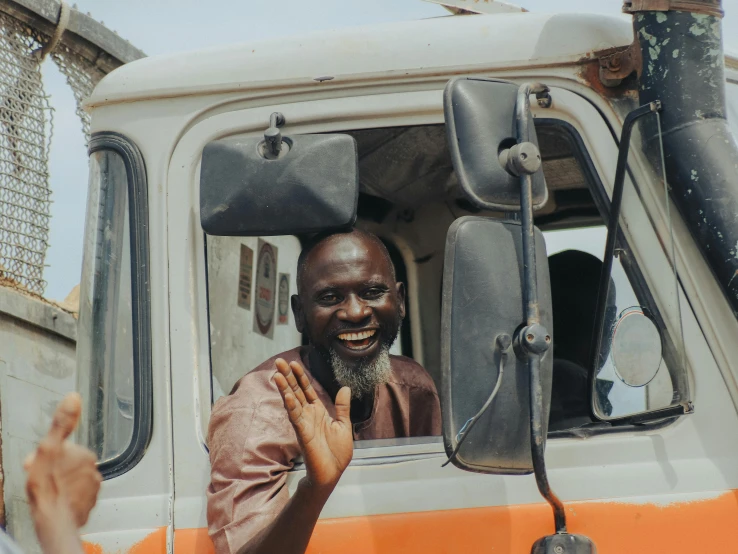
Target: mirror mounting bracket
(273,142)
(534,337)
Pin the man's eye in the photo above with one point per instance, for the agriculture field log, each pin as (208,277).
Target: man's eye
(373,293)
(328,298)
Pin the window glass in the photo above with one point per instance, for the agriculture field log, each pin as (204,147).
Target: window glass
(105,347)
(636,364)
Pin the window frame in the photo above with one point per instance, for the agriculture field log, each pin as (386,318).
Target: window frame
(652,419)
(138,212)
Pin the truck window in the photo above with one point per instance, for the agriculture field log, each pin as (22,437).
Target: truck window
(113,352)
(409,197)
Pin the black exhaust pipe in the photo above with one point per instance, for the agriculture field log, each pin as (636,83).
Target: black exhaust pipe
(683,67)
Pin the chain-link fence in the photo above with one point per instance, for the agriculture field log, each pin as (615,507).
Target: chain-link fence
(26,120)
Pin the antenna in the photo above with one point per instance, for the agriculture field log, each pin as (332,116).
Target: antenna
(465,7)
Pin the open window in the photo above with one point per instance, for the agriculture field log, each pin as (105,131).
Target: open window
(409,198)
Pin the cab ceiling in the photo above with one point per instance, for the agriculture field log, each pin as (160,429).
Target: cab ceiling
(411,166)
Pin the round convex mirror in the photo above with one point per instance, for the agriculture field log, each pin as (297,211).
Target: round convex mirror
(636,348)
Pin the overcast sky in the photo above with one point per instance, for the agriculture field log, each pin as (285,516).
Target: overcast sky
(165,26)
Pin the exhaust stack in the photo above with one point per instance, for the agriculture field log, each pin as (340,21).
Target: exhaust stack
(683,67)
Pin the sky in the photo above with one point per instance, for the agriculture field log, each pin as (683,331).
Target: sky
(167,26)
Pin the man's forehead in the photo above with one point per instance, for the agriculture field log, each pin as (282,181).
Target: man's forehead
(348,256)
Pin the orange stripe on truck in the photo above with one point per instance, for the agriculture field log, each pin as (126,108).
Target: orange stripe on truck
(709,525)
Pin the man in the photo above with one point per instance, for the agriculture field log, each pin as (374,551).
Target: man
(62,485)
(350,307)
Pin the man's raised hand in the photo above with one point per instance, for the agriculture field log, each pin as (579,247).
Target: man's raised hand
(326,443)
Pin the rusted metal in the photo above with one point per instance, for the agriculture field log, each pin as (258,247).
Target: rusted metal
(706,7)
(618,63)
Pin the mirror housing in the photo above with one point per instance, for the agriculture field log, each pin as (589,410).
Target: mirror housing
(311,186)
(480,125)
(483,298)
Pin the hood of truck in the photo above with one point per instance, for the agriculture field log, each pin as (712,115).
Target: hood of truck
(456,44)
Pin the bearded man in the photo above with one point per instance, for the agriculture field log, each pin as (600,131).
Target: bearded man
(350,307)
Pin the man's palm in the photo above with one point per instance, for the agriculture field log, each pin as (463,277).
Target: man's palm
(327,443)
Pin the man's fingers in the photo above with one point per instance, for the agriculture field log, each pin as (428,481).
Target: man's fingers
(293,407)
(286,371)
(29,461)
(66,417)
(305,384)
(343,406)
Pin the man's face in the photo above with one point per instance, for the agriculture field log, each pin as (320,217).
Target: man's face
(349,304)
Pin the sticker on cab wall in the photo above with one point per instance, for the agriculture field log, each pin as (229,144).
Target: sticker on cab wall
(244,277)
(265,290)
(283,303)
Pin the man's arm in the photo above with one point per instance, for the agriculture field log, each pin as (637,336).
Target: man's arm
(327,448)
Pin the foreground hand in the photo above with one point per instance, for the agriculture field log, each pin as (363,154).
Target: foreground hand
(63,480)
(327,444)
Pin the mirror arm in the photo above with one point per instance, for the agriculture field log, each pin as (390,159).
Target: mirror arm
(534,337)
(612,227)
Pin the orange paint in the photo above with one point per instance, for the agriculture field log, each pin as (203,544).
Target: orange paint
(153,543)
(91,548)
(699,526)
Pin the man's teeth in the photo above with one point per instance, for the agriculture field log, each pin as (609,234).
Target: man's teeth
(357,336)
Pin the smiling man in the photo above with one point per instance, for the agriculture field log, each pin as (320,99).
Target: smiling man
(314,401)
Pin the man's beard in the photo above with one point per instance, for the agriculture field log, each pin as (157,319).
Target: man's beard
(365,376)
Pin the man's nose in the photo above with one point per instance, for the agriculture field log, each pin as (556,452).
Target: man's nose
(354,310)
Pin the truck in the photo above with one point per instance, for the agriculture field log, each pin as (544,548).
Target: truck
(559,194)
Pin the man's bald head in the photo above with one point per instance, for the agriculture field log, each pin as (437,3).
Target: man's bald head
(329,236)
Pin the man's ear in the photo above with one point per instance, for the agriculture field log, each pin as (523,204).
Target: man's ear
(299,313)
(401,298)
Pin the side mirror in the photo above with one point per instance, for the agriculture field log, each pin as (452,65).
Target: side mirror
(481,125)
(310,184)
(497,355)
(483,302)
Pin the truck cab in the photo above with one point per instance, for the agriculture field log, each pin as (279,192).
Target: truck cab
(171,317)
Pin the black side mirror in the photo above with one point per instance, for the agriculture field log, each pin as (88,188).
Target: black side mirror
(308,183)
(496,321)
(481,125)
(482,304)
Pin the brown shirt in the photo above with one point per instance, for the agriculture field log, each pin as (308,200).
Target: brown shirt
(253,445)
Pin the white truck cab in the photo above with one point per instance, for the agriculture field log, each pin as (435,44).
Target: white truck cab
(171,318)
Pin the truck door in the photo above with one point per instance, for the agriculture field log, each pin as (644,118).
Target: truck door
(122,361)
(395,497)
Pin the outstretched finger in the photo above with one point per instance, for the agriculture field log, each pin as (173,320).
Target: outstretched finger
(293,407)
(286,371)
(66,417)
(304,382)
(343,406)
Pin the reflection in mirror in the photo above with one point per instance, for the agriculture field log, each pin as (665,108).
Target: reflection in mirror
(636,348)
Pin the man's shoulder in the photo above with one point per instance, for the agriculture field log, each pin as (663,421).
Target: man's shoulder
(409,373)
(257,385)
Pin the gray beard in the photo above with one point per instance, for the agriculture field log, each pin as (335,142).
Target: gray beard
(364,378)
